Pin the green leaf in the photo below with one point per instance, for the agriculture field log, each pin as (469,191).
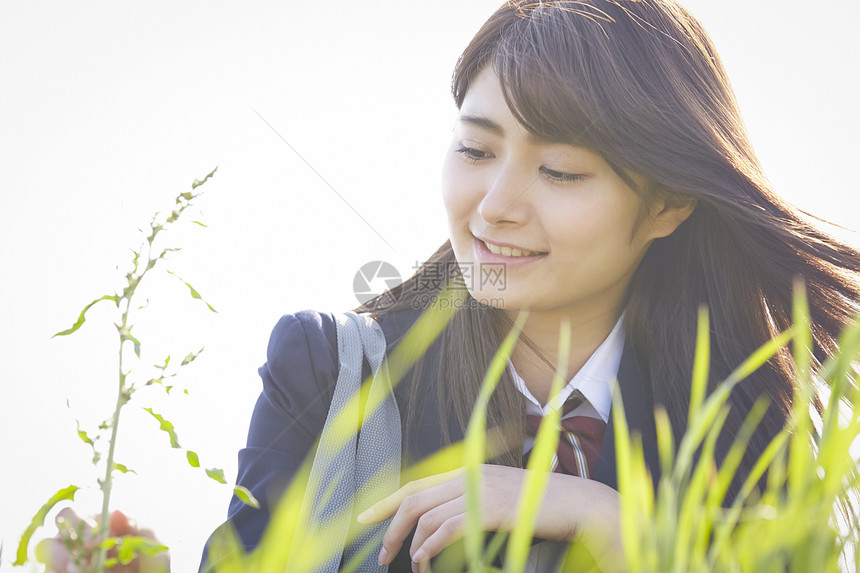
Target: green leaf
(166,251)
(166,426)
(135,342)
(83,435)
(197,183)
(82,317)
(191,357)
(193,459)
(130,546)
(38,520)
(216,474)
(122,468)
(246,497)
(199,223)
(194,293)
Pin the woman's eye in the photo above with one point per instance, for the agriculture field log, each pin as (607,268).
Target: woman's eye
(560,176)
(472,154)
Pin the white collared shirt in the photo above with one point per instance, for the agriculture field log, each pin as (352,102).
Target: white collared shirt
(594,381)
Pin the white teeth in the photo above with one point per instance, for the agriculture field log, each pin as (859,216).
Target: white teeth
(508,251)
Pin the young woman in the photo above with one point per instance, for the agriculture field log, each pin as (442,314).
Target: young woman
(600,168)
(600,160)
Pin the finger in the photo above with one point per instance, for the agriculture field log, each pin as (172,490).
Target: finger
(447,533)
(67,516)
(412,510)
(120,524)
(435,519)
(385,508)
(81,531)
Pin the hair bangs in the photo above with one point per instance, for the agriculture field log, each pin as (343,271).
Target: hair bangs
(548,103)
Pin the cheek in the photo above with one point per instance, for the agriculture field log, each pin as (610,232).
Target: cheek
(455,192)
(590,230)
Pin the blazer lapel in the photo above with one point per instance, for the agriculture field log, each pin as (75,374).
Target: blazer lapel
(638,400)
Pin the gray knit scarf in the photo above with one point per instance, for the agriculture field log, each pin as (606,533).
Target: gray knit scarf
(351,472)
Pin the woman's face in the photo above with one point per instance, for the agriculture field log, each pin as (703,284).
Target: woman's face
(539,225)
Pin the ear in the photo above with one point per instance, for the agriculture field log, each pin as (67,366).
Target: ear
(668,212)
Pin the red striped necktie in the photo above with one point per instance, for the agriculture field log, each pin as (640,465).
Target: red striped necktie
(579,442)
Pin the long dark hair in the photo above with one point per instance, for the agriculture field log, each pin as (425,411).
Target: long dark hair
(640,82)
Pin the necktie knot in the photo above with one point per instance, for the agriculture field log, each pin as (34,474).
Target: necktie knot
(579,440)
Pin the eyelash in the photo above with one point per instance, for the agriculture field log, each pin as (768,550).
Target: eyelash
(560,176)
(469,154)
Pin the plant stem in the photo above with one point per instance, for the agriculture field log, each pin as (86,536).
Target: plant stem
(104,521)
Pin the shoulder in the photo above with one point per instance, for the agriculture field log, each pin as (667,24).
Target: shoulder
(302,354)
(301,359)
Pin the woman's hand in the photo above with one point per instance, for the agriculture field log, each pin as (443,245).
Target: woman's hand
(573,509)
(53,552)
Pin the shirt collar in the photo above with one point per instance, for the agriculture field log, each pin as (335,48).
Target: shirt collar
(594,380)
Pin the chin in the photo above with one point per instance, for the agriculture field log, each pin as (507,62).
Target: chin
(493,299)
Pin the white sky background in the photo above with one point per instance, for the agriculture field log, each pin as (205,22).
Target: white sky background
(109,109)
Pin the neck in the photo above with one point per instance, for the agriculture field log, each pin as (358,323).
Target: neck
(535,357)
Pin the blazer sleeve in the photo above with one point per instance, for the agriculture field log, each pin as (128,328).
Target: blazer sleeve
(298,382)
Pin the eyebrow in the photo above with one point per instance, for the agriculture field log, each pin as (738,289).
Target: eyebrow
(493,127)
(483,122)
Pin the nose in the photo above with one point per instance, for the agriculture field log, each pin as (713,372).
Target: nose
(506,199)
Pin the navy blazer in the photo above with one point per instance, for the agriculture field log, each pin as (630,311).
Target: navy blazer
(298,383)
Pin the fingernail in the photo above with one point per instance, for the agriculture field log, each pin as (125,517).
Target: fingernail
(365,517)
(383,557)
(419,556)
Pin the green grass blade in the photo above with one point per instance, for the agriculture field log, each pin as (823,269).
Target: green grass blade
(225,553)
(665,440)
(726,473)
(701,364)
(774,452)
(712,404)
(630,504)
(694,512)
(800,452)
(537,477)
(475,449)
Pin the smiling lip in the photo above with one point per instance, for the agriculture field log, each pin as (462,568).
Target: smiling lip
(505,253)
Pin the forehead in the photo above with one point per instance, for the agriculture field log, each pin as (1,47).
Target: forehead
(484,89)
(484,107)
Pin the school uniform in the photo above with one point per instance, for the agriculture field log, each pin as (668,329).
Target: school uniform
(298,383)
